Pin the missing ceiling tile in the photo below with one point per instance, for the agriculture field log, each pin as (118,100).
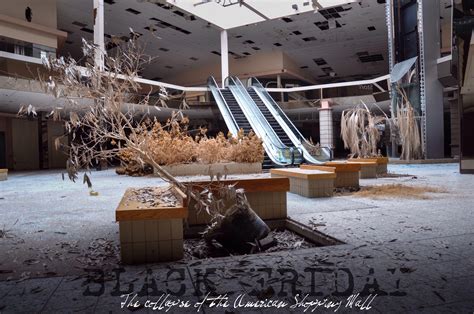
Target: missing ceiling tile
(371,58)
(87,30)
(320,61)
(79,24)
(133,11)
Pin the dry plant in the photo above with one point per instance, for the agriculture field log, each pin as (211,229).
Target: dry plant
(212,150)
(101,124)
(398,191)
(359,131)
(246,148)
(405,128)
(173,145)
(313,149)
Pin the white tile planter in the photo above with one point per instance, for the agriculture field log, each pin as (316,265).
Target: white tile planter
(197,169)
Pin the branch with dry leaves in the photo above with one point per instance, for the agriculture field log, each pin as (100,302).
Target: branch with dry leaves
(405,127)
(359,131)
(101,124)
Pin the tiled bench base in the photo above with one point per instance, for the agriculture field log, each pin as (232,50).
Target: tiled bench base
(382,168)
(308,183)
(266,196)
(347,180)
(347,175)
(382,163)
(3,174)
(147,241)
(196,169)
(312,188)
(368,170)
(149,235)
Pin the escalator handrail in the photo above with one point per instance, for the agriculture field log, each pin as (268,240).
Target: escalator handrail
(275,152)
(223,106)
(258,87)
(259,115)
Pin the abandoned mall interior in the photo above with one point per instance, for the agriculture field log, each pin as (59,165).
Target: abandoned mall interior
(236,156)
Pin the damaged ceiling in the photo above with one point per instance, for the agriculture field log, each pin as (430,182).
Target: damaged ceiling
(342,43)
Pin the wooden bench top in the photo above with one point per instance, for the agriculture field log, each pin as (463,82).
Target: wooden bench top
(363,162)
(130,209)
(334,167)
(378,160)
(250,185)
(304,173)
(3,170)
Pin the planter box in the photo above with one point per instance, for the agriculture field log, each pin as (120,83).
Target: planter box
(267,197)
(3,174)
(368,169)
(308,183)
(382,163)
(197,169)
(347,175)
(150,234)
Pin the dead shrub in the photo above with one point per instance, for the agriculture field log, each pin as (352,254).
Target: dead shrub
(213,150)
(246,148)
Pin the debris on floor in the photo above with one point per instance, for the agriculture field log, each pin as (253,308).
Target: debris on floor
(277,240)
(398,191)
(154,197)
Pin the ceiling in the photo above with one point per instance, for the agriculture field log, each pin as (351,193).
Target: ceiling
(227,14)
(348,42)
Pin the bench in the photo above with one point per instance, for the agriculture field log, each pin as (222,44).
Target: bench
(368,168)
(382,163)
(3,174)
(306,182)
(266,196)
(347,175)
(150,234)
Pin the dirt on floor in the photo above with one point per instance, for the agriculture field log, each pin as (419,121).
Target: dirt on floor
(398,191)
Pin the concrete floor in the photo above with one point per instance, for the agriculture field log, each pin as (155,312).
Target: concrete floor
(60,253)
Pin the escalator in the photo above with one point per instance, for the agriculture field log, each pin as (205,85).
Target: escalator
(240,112)
(283,126)
(270,118)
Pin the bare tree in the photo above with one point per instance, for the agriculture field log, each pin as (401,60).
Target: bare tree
(101,123)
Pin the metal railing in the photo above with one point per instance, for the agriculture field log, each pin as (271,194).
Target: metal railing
(309,151)
(223,107)
(276,150)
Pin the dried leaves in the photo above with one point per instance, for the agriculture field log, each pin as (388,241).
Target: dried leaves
(154,197)
(359,131)
(398,191)
(406,129)
(171,144)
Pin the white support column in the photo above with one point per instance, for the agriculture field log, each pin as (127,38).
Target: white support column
(279,86)
(99,33)
(224,56)
(326,130)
